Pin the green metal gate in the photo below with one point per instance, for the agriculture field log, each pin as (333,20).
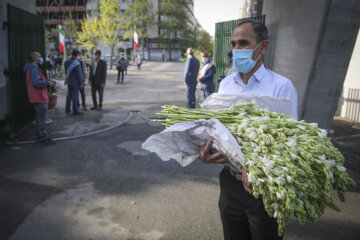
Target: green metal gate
(223,33)
(25,35)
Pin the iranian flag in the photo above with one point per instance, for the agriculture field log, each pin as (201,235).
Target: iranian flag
(136,40)
(61,39)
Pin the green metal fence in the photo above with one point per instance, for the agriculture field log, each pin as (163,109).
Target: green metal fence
(25,35)
(223,33)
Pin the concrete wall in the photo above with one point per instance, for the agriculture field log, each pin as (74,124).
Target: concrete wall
(30,6)
(311,44)
(349,105)
(336,44)
(294,28)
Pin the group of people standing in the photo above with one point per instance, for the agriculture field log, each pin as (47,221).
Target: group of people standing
(192,76)
(76,75)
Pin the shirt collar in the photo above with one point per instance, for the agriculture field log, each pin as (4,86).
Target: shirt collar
(258,75)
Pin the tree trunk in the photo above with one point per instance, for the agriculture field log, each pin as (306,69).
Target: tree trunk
(142,48)
(112,54)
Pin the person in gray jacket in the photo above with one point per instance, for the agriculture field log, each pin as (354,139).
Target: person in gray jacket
(97,79)
(190,76)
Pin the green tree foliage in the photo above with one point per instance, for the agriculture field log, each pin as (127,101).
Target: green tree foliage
(175,24)
(89,35)
(109,24)
(138,14)
(205,42)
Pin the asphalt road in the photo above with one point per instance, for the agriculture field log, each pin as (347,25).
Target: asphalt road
(105,186)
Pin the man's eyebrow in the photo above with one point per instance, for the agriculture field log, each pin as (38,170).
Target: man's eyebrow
(240,42)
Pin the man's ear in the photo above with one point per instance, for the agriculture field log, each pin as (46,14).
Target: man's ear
(264,46)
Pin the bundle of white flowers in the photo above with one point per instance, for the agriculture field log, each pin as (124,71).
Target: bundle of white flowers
(292,164)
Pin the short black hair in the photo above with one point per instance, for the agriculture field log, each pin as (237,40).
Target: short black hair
(98,52)
(259,28)
(75,53)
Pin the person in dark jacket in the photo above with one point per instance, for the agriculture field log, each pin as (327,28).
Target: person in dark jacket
(206,77)
(122,64)
(190,76)
(97,79)
(38,95)
(74,79)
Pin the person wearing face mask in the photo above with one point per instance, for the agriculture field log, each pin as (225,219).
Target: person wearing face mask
(38,95)
(206,77)
(192,66)
(242,215)
(74,79)
(97,79)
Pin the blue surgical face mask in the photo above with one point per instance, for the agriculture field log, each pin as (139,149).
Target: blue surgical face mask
(242,59)
(41,60)
(205,60)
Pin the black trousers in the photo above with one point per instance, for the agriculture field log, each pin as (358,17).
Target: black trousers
(122,76)
(100,90)
(242,215)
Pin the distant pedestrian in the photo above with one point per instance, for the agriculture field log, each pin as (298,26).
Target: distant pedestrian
(121,66)
(229,69)
(38,95)
(74,80)
(97,79)
(190,77)
(206,77)
(48,66)
(163,57)
(138,62)
(127,64)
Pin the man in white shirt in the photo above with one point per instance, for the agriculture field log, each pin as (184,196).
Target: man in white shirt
(242,215)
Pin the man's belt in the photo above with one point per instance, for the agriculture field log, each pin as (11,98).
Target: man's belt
(236,175)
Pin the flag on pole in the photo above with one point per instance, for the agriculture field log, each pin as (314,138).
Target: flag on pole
(61,39)
(136,40)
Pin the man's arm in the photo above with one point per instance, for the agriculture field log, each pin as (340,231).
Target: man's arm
(79,75)
(208,157)
(186,71)
(36,79)
(103,80)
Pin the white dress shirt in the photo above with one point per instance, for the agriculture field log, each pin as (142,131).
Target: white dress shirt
(263,82)
(95,66)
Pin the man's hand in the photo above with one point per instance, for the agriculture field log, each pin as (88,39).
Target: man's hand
(102,85)
(247,185)
(52,83)
(198,79)
(208,157)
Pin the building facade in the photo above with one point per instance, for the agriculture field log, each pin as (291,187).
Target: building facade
(153,48)
(59,12)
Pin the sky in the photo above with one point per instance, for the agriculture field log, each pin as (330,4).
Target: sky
(209,12)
